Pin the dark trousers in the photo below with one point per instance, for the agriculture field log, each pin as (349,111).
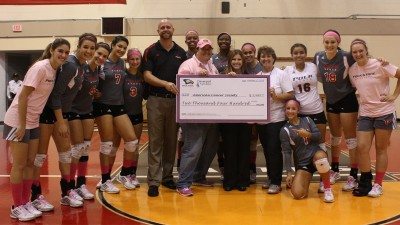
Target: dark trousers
(236,145)
(269,138)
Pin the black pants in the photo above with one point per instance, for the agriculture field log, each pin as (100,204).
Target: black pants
(236,145)
(269,138)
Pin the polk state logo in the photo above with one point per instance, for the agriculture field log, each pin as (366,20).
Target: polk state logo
(188,81)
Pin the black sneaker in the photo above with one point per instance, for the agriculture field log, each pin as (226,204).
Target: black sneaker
(169,184)
(153,191)
(362,190)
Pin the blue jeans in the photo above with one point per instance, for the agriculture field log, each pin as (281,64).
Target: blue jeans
(199,148)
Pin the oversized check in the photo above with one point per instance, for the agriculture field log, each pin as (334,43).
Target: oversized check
(222,99)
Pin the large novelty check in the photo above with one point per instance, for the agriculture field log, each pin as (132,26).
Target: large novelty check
(222,99)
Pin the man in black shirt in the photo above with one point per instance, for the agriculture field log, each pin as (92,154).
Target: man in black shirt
(161,63)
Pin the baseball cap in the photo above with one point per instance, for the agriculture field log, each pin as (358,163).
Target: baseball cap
(203,42)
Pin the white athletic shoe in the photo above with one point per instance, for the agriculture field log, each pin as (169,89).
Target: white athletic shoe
(21,213)
(109,187)
(328,195)
(126,181)
(84,192)
(334,176)
(30,208)
(75,195)
(70,201)
(42,205)
(376,191)
(135,181)
(350,184)
(321,188)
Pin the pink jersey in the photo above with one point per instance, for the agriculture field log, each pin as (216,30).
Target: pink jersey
(41,76)
(372,82)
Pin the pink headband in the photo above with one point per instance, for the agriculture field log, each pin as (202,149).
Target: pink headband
(333,34)
(133,52)
(191,31)
(251,45)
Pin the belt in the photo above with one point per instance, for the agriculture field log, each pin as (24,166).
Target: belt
(163,95)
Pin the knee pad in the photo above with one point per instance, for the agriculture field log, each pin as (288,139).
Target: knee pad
(64,157)
(335,141)
(113,152)
(131,146)
(39,160)
(84,158)
(86,149)
(106,147)
(322,165)
(76,150)
(351,143)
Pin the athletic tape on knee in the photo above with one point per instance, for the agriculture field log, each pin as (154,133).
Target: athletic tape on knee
(86,149)
(76,150)
(322,165)
(113,152)
(39,160)
(131,146)
(335,141)
(64,157)
(106,147)
(351,143)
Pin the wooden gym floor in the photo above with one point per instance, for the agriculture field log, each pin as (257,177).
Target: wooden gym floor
(208,205)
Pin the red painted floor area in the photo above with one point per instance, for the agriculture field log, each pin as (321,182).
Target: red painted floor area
(92,213)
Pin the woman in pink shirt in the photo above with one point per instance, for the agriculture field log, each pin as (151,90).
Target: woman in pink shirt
(377,116)
(21,125)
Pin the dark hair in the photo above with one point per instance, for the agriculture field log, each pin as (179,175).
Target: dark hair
(298,45)
(15,75)
(230,38)
(103,45)
(52,46)
(266,50)
(118,39)
(86,36)
(232,54)
(359,41)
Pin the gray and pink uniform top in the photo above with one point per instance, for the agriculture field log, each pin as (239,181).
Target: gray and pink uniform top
(82,104)
(133,93)
(303,148)
(68,82)
(111,81)
(333,73)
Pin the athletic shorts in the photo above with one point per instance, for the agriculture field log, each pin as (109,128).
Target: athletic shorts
(30,134)
(348,104)
(309,168)
(386,122)
(48,116)
(136,119)
(100,109)
(75,116)
(318,118)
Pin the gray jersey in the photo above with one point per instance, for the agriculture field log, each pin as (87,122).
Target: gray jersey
(111,82)
(133,93)
(68,82)
(303,148)
(82,103)
(253,70)
(334,75)
(220,62)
